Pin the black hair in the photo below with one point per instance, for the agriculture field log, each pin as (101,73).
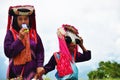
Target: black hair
(15,24)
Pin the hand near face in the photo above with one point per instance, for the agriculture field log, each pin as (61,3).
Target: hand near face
(80,42)
(22,33)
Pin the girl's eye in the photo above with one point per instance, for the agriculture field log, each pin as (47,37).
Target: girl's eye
(68,39)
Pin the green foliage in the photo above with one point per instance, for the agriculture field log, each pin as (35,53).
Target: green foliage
(106,70)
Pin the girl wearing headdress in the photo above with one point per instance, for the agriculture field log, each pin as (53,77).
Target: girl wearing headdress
(22,44)
(64,60)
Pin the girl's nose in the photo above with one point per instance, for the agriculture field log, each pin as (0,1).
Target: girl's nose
(23,21)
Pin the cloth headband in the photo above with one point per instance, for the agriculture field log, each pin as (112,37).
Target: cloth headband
(21,10)
(67,29)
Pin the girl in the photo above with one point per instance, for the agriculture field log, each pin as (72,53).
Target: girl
(68,55)
(22,44)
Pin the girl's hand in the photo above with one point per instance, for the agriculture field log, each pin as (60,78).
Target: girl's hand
(40,72)
(22,33)
(81,43)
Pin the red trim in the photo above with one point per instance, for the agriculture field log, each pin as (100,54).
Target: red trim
(14,33)
(32,33)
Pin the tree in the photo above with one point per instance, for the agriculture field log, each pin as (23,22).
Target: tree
(106,70)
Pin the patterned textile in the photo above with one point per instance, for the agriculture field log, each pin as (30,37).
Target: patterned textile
(72,76)
(25,55)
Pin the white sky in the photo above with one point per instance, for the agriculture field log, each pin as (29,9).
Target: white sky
(98,22)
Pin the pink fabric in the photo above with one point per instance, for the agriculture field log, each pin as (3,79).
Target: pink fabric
(63,46)
(64,63)
(63,49)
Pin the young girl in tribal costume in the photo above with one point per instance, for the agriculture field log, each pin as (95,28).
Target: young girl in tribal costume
(22,44)
(68,55)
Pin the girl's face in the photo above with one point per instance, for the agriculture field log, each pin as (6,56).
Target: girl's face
(23,20)
(71,40)
(71,47)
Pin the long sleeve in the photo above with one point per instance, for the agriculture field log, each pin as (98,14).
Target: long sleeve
(50,65)
(11,47)
(39,52)
(83,57)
